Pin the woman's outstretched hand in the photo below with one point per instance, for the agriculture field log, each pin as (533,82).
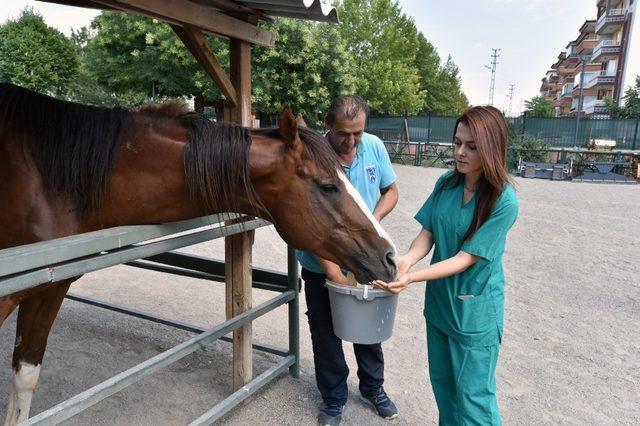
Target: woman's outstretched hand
(402,265)
(396,286)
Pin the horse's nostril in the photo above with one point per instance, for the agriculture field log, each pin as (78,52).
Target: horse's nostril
(390,259)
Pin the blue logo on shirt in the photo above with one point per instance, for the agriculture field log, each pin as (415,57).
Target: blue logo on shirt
(371,174)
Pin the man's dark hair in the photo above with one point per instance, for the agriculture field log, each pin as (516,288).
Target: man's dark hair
(347,106)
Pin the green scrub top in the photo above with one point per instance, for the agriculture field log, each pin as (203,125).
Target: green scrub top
(468,306)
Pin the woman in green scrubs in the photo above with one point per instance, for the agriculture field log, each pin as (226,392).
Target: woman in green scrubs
(466,219)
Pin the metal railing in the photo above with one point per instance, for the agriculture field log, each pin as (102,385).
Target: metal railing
(31,265)
(557,132)
(612,15)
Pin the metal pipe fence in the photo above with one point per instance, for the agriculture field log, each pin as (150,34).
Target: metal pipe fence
(147,246)
(556,132)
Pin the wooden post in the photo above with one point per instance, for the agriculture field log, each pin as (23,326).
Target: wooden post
(238,247)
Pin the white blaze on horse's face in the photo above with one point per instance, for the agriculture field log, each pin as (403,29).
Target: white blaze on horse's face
(351,190)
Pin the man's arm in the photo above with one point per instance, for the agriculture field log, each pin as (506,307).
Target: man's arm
(387,201)
(332,271)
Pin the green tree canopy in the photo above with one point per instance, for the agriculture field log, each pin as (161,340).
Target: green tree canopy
(382,43)
(306,69)
(539,106)
(440,83)
(631,99)
(36,56)
(134,57)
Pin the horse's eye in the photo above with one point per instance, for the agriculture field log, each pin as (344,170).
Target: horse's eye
(328,188)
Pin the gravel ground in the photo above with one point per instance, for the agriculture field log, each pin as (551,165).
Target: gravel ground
(571,352)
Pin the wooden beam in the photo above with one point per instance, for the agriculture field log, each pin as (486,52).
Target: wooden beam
(238,253)
(238,300)
(240,64)
(205,18)
(197,44)
(87,4)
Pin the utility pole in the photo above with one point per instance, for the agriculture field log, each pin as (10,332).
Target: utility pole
(579,110)
(510,96)
(494,62)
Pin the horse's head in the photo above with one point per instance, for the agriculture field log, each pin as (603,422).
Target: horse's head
(298,178)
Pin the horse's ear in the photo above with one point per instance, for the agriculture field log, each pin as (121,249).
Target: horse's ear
(288,127)
(300,121)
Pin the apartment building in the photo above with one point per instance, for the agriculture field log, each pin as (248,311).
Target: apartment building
(593,65)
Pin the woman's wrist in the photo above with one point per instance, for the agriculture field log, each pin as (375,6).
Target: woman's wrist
(410,278)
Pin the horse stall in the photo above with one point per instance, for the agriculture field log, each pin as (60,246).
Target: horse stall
(38,264)
(151,247)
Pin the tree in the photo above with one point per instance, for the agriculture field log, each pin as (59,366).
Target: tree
(539,106)
(306,69)
(132,59)
(450,100)
(382,42)
(631,98)
(36,56)
(440,83)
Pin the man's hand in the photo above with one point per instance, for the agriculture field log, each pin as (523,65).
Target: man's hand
(333,272)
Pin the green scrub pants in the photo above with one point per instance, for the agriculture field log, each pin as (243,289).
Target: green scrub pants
(463,380)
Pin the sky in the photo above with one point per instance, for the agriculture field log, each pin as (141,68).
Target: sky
(529,33)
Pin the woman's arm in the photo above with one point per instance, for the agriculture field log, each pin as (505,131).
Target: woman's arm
(420,247)
(445,268)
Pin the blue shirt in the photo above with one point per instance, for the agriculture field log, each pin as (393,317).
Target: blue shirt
(370,172)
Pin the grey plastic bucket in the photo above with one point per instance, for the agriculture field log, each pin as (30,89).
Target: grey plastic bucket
(362,315)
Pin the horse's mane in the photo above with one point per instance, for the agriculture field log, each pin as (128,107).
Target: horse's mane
(208,162)
(74,147)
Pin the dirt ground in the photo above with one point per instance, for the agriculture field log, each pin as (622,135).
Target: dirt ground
(571,352)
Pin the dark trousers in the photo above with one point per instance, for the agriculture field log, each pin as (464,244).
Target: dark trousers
(328,357)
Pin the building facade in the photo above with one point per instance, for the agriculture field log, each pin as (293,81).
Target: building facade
(593,65)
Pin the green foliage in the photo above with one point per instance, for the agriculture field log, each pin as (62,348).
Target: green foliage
(129,58)
(539,106)
(306,69)
(124,59)
(530,149)
(630,102)
(631,99)
(36,56)
(381,43)
(440,83)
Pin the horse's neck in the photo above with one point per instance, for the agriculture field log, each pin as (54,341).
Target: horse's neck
(148,183)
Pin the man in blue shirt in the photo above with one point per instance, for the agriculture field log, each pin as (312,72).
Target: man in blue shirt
(367,165)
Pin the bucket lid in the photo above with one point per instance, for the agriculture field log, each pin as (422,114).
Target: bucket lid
(360,292)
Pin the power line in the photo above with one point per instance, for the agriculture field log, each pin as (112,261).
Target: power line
(494,62)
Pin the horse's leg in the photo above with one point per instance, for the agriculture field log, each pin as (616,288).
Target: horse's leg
(7,305)
(35,318)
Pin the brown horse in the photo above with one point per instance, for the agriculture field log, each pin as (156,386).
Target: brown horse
(67,168)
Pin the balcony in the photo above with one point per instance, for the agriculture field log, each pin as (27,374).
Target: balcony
(564,95)
(611,21)
(606,50)
(603,79)
(586,46)
(595,107)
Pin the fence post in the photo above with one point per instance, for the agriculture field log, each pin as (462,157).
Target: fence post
(635,135)
(406,129)
(524,125)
